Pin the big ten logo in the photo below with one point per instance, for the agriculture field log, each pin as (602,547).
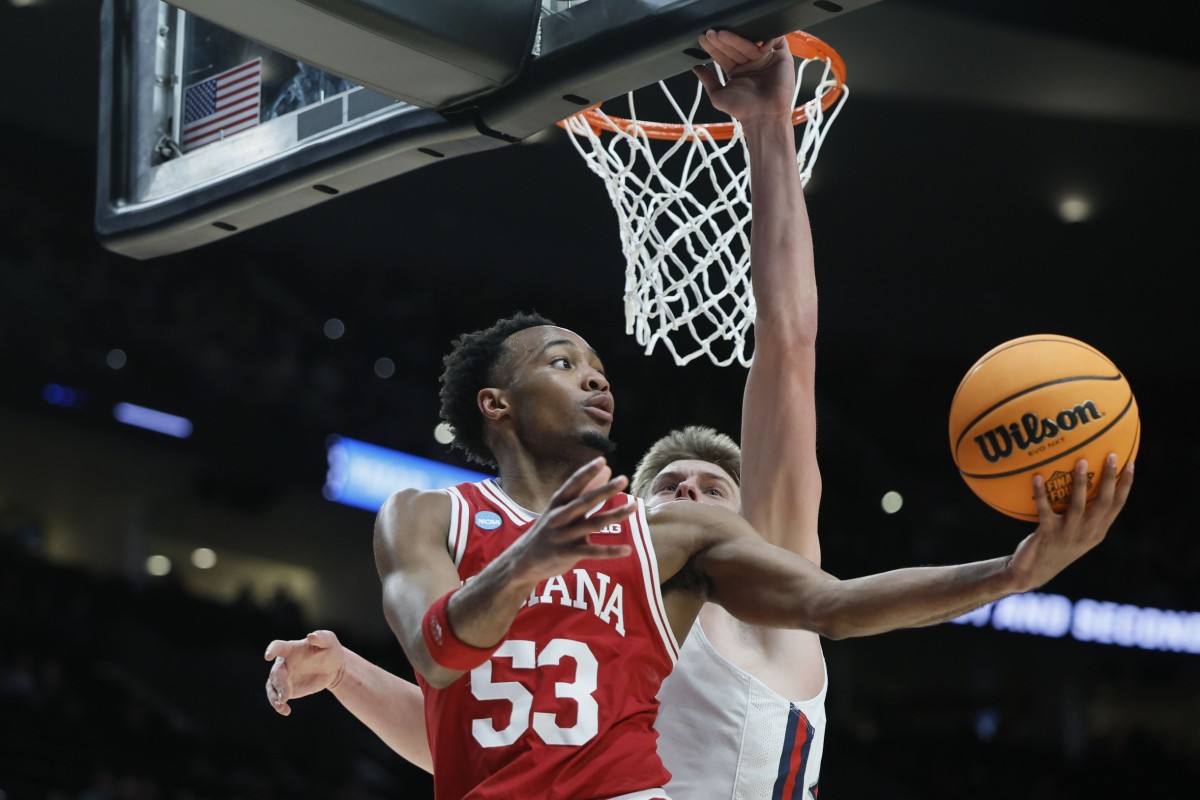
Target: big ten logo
(1039,433)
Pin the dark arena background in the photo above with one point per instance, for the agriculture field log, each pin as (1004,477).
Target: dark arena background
(1000,169)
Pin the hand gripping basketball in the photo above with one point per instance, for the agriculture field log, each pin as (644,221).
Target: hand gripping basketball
(1061,538)
(1039,404)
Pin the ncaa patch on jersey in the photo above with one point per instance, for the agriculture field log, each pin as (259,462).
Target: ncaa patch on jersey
(488,520)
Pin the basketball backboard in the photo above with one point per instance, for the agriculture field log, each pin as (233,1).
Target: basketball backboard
(217,116)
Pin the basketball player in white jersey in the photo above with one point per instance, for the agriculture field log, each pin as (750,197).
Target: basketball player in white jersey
(742,716)
(780,675)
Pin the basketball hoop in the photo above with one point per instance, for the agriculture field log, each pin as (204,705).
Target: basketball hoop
(682,195)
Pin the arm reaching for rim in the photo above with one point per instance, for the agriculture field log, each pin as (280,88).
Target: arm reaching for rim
(781,481)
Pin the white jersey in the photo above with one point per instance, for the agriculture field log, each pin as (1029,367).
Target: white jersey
(723,734)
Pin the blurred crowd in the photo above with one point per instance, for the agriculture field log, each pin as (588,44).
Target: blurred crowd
(111,690)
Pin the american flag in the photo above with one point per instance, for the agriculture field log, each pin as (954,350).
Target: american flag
(222,105)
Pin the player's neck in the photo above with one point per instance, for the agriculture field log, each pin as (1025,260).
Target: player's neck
(532,481)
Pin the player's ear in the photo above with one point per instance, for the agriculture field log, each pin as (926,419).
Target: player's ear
(492,402)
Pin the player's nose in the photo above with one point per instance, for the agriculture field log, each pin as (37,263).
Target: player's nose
(595,381)
(686,490)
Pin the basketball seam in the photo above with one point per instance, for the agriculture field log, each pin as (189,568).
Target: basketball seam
(1057,456)
(1004,348)
(1010,398)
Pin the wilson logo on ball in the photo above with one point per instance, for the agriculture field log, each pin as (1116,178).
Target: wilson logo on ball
(999,442)
(1005,426)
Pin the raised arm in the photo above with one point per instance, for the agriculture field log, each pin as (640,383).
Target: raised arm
(765,585)
(781,483)
(446,630)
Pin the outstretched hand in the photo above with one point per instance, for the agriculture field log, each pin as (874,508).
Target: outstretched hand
(760,79)
(303,667)
(1060,539)
(562,536)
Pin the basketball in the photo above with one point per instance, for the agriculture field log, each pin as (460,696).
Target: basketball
(1038,404)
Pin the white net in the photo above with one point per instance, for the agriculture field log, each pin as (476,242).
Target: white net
(683,205)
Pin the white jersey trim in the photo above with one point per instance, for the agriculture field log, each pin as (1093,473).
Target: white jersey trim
(647,794)
(518,515)
(640,531)
(460,525)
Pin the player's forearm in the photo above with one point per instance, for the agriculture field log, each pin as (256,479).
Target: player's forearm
(907,598)
(478,616)
(442,628)
(390,706)
(781,240)
(484,609)
(767,586)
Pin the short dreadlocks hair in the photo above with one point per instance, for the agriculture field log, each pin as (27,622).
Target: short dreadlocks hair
(470,366)
(695,442)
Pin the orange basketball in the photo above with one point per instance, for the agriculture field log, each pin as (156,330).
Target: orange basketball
(1038,404)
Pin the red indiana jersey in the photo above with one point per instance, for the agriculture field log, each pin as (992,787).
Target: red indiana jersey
(565,708)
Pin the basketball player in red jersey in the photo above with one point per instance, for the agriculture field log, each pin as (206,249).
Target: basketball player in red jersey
(560,620)
(588,712)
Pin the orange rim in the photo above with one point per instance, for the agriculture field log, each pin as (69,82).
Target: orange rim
(803,45)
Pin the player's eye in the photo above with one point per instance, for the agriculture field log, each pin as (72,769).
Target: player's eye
(715,492)
(561,361)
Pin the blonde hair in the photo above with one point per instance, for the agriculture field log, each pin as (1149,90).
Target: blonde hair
(695,442)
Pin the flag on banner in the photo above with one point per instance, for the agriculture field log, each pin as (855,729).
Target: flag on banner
(222,105)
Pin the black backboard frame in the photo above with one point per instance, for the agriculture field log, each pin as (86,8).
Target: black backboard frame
(593,51)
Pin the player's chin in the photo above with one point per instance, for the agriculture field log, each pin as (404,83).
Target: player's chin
(597,439)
